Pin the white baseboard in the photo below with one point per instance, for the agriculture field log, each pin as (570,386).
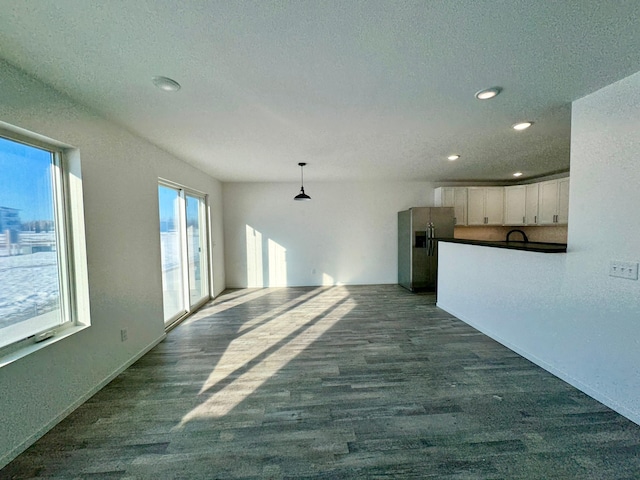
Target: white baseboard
(12,454)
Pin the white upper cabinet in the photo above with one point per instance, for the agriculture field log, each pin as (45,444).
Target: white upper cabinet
(475,210)
(543,203)
(455,197)
(494,206)
(531,205)
(553,204)
(548,202)
(515,203)
(563,201)
(460,205)
(521,204)
(485,206)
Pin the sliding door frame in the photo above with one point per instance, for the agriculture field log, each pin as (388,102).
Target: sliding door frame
(205,267)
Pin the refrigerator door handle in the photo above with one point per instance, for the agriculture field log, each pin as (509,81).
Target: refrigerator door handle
(433,240)
(431,234)
(428,240)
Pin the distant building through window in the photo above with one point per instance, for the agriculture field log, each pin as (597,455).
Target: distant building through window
(10,219)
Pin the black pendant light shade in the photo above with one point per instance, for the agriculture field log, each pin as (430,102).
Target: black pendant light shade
(302,195)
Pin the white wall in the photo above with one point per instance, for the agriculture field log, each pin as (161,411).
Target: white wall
(347,233)
(563,311)
(120,179)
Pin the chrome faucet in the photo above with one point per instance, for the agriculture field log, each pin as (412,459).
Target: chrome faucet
(524,235)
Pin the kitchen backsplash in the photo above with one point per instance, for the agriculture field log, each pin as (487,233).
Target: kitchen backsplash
(552,234)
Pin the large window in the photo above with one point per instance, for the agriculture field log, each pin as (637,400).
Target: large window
(183,241)
(35,289)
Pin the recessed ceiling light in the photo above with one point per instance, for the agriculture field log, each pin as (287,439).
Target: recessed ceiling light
(522,125)
(166,84)
(517,174)
(488,93)
(453,157)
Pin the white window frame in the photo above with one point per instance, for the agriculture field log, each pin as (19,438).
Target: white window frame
(70,241)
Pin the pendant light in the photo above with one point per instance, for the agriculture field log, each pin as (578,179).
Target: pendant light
(302,195)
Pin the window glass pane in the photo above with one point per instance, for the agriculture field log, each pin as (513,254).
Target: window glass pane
(29,267)
(195,249)
(172,279)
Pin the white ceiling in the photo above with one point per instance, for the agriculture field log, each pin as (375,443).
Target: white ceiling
(360,90)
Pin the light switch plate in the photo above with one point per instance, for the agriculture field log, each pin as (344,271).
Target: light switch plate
(628,270)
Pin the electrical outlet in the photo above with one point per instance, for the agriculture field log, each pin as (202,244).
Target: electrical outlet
(123,335)
(628,270)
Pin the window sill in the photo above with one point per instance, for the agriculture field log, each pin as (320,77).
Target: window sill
(22,351)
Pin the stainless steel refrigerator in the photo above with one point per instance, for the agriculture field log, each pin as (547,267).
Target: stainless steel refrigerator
(418,231)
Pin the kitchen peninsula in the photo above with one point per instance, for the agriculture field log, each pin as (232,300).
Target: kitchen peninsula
(516,297)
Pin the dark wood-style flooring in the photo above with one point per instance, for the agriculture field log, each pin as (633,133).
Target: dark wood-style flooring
(341,382)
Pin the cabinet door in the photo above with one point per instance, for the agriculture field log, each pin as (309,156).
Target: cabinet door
(548,202)
(460,205)
(494,205)
(531,207)
(514,205)
(443,196)
(475,209)
(448,197)
(563,201)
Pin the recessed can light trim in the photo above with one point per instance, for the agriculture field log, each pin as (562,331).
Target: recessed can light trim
(522,126)
(166,84)
(451,158)
(488,93)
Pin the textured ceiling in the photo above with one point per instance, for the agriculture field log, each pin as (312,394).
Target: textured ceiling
(360,90)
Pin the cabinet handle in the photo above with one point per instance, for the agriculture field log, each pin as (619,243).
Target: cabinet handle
(535,219)
(524,220)
(455,221)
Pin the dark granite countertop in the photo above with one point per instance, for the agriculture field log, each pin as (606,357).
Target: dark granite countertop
(527,246)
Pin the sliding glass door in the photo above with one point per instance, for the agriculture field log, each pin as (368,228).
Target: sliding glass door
(171,248)
(196,242)
(183,240)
